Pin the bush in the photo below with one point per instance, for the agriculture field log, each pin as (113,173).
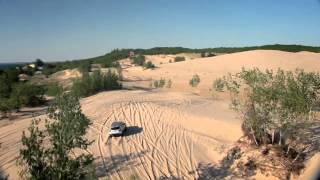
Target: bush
(28,94)
(91,84)
(139,60)
(278,107)
(14,94)
(218,85)
(149,65)
(179,58)
(5,86)
(7,105)
(53,158)
(194,81)
(54,89)
(85,67)
(159,83)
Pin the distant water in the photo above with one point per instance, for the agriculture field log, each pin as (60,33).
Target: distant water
(9,65)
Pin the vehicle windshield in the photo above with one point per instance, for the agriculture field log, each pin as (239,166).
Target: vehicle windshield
(115,128)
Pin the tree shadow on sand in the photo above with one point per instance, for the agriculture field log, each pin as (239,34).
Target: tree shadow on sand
(117,162)
(223,169)
(3,176)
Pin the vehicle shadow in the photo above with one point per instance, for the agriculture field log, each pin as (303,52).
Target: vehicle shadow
(132,130)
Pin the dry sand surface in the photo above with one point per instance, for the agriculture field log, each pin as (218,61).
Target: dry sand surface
(166,136)
(211,68)
(179,132)
(169,134)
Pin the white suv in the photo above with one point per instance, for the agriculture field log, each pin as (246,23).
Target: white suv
(117,128)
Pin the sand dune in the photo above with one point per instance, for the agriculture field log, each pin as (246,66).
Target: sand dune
(164,138)
(172,133)
(213,67)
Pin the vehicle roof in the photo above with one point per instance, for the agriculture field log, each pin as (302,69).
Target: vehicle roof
(116,124)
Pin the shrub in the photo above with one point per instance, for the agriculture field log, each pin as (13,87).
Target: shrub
(14,94)
(139,60)
(65,131)
(5,86)
(194,81)
(28,94)
(85,67)
(159,83)
(90,84)
(116,64)
(54,89)
(169,83)
(277,108)
(276,103)
(149,65)
(179,58)
(218,85)
(49,69)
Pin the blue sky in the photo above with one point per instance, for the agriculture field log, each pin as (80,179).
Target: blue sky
(71,29)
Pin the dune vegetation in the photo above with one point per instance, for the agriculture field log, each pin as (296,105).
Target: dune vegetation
(277,108)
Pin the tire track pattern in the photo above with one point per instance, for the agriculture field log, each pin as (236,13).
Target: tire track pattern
(147,153)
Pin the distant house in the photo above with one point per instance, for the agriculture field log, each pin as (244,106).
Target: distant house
(95,67)
(40,68)
(131,54)
(23,77)
(32,65)
(28,66)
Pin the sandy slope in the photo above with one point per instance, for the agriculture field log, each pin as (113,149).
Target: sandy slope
(164,137)
(210,68)
(172,132)
(169,134)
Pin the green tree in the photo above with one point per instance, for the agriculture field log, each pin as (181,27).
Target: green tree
(65,131)
(39,63)
(13,75)
(28,94)
(139,60)
(5,86)
(90,84)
